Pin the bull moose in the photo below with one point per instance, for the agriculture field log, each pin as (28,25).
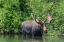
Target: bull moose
(36,27)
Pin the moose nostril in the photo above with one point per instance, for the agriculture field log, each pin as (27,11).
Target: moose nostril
(45,31)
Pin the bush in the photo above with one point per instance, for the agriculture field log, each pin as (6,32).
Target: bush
(13,13)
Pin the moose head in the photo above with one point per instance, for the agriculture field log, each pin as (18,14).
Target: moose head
(43,23)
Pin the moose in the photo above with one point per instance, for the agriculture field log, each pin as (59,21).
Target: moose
(35,27)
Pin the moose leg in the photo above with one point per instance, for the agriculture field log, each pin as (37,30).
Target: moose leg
(23,32)
(32,34)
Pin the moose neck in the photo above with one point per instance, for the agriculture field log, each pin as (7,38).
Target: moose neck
(44,28)
(44,25)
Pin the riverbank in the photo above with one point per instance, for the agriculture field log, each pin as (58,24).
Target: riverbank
(19,31)
(12,31)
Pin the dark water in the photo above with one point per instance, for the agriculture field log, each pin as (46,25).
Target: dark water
(20,38)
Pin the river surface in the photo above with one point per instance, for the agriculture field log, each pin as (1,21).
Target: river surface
(20,38)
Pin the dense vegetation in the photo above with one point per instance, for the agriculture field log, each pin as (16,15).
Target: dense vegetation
(14,12)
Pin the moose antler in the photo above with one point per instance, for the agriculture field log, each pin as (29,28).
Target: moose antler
(49,18)
(34,18)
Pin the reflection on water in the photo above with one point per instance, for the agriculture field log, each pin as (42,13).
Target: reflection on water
(20,38)
(30,39)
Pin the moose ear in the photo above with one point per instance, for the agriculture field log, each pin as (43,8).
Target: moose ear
(44,21)
(39,21)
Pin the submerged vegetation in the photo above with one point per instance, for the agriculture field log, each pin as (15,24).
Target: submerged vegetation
(14,12)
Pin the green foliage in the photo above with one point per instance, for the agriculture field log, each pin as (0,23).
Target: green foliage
(14,12)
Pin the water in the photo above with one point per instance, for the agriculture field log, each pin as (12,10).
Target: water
(20,38)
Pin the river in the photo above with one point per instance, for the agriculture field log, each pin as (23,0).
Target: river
(20,38)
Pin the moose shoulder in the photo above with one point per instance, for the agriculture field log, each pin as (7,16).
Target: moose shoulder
(34,28)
